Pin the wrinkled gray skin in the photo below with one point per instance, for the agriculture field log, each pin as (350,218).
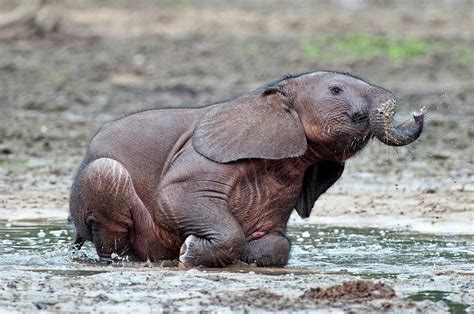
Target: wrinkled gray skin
(220,182)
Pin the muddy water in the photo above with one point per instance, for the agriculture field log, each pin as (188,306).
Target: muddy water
(333,251)
(365,252)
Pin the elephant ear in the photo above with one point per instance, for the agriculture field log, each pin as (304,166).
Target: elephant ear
(317,179)
(256,126)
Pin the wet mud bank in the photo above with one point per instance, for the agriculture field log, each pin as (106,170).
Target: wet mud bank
(145,289)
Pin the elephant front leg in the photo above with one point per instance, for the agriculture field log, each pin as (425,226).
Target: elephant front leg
(272,249)
(213,237)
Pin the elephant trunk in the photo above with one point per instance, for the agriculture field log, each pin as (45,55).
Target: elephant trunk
(381,119)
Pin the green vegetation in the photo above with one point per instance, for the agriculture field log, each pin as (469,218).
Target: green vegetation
(13,164)
(247,46)
(183,6)
(310,49)
(465,57)
(362,46)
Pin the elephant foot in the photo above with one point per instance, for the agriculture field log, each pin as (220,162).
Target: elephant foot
(198,251)
(272,249)
(185,251)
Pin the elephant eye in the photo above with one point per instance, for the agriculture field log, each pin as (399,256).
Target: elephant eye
(336,90)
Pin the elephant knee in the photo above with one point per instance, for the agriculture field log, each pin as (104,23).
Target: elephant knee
(233,244)
(270,250)
(282,251)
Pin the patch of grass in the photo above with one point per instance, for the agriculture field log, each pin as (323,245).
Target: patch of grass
(406,48)
(310,49)
(245,45)
(466,58)
(182,6)
(362,46)
(14,164)
(359,45)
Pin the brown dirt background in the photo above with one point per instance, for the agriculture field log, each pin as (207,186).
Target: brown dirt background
(111,58)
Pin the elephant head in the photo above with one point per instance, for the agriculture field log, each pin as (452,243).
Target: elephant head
(325,115)
(322,117)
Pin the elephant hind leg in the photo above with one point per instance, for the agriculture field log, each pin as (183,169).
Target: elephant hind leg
(100,206)
(107,211)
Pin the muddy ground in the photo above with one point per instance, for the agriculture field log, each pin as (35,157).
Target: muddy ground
(110,58)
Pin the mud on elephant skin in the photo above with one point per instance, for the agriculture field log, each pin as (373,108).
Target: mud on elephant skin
(216,184)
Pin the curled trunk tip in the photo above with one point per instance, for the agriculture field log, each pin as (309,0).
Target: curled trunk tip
(381,120)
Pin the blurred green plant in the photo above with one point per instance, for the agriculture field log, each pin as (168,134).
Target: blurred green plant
(14,164)
(466,58)
(406,48)
(361,45)
(183,6)
(310,49)
(245,45)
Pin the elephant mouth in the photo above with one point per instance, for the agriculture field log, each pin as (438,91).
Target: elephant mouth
(360,117)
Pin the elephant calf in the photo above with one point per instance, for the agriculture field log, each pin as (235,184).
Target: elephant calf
(216,184)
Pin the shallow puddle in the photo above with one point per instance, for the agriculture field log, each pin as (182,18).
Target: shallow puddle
(38,245)
(365,252)
(378,253)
